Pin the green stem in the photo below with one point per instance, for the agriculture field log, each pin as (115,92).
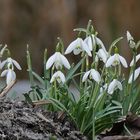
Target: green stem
(30,72)
(82,70)
(93,125)
(45,71)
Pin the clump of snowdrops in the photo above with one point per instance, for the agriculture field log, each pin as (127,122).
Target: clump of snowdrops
(102,95)
(7,65)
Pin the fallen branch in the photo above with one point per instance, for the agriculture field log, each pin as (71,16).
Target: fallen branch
(6,89)
(121,138)
(42,102)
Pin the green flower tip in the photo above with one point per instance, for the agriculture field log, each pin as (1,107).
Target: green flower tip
(116,50)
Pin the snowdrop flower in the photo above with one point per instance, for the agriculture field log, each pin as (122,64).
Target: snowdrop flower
(136,74)
(101,54)
(93,74)
(130,40)
(10,74)
(78,46)
(58,60)
(59,76)
(116,59)
(115,84)
(11,61)
(137,58)
(91,41)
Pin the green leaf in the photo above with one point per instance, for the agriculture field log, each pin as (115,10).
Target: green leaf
(116,41)
(82,30)
(38,77)
(27,98)
(73,70)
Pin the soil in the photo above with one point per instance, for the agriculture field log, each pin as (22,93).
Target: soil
(126,129)
(20,121)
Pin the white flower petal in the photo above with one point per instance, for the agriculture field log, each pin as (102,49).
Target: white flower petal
(53,77)
(88,41)
(100,43)
(65,61)
(59,76)
(85,48)
(136,74)
(137,58)
(115,84)
(123,61)
(3,64)
(16,64)
(119,85)
(72,46)
(85,76)
(4,73)
(50,61)
(110,61)
(112,86)
(95,75)
(103,55)
(96,58)
(11,76)
(77,51)
(62,77)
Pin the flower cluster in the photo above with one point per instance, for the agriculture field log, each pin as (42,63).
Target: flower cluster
(9,64)
(86,47)
(101,88)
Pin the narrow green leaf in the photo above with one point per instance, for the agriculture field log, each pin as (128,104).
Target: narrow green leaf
(73,70)
(116,41)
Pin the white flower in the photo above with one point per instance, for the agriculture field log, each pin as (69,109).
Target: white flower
(10,75)
(101,54)
(11,61)
(92,40)
(136,74)
(115,84)
(59,76)
(137,58)
(115,60)
(93,74)
(58,60)
(130,40)
(78,46)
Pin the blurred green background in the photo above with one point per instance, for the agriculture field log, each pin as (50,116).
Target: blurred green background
(39,22)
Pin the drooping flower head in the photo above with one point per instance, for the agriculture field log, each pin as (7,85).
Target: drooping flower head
(78,46)
(114,85)
(11,61)
(102,55)
(92,74)
(9,73)
(92,41)
(58,60)
(59,77)
(116,59)
(132,62)
(136,74)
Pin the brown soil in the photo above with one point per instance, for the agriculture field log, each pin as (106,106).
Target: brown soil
(126,129)
(20,121)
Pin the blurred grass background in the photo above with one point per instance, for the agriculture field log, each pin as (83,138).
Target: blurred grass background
(39,22)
